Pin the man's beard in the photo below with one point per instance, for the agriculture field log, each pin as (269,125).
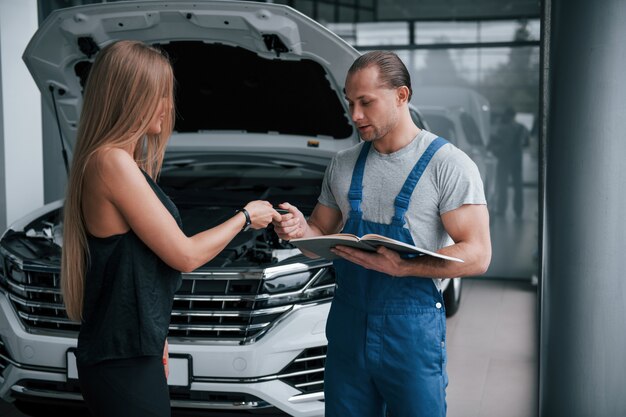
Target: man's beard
(375,133)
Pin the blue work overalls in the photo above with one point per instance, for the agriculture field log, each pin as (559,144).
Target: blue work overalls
(386,336)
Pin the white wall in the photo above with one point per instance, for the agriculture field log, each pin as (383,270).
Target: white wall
(20,123)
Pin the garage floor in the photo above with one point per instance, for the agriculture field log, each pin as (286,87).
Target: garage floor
(493,339)
(492,351)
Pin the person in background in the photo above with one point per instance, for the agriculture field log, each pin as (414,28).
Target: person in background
(387,326)
(123,246)
(507,145)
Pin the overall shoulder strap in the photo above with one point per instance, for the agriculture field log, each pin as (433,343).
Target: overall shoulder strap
(355,194)
(401,203)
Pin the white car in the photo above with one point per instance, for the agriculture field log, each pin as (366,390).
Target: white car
(260,113)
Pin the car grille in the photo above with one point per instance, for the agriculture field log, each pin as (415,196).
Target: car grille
(229,307)
(306,372)
(36,297)
(219,400)
(222,307)
(5,358)
(181,398)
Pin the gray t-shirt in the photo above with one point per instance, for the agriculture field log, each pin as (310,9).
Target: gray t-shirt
(450,181)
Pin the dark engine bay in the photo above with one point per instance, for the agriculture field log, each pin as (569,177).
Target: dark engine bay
(208,190)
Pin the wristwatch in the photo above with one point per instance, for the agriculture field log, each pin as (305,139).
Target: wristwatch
(246,226)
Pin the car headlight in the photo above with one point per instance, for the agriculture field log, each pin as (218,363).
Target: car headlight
(286,283)
(297,283)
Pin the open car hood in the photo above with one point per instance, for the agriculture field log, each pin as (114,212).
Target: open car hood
(254,70)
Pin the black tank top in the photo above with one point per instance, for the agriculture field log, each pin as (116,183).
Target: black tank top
(129,292)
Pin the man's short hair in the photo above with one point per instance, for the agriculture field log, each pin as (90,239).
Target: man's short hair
(391,70)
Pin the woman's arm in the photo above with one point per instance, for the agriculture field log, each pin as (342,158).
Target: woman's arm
(166,359)
(126,188)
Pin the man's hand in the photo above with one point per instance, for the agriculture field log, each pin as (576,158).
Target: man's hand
(323,221)
(292,225)
(383,260)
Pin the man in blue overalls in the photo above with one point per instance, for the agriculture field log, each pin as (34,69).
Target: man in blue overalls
(386,327)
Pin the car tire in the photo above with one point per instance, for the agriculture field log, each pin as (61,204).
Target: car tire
(452,297)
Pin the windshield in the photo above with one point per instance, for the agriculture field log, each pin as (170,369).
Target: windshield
(471,129)
(441,126)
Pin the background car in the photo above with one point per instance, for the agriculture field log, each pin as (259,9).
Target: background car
(260,113)
(463,117)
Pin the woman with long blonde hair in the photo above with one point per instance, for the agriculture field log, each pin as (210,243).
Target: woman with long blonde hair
(123,246)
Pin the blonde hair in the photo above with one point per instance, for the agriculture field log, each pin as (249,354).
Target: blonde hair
(126,84)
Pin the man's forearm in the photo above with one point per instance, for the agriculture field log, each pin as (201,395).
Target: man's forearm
(323,221)
(475,263)
(312,230)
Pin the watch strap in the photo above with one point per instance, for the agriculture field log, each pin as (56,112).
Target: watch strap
(248,220)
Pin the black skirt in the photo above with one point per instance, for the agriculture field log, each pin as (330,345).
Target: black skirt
(126,387)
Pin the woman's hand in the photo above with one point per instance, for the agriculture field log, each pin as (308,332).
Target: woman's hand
(166,360)
(261,214)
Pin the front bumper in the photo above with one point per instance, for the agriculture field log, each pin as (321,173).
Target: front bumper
(283,370)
